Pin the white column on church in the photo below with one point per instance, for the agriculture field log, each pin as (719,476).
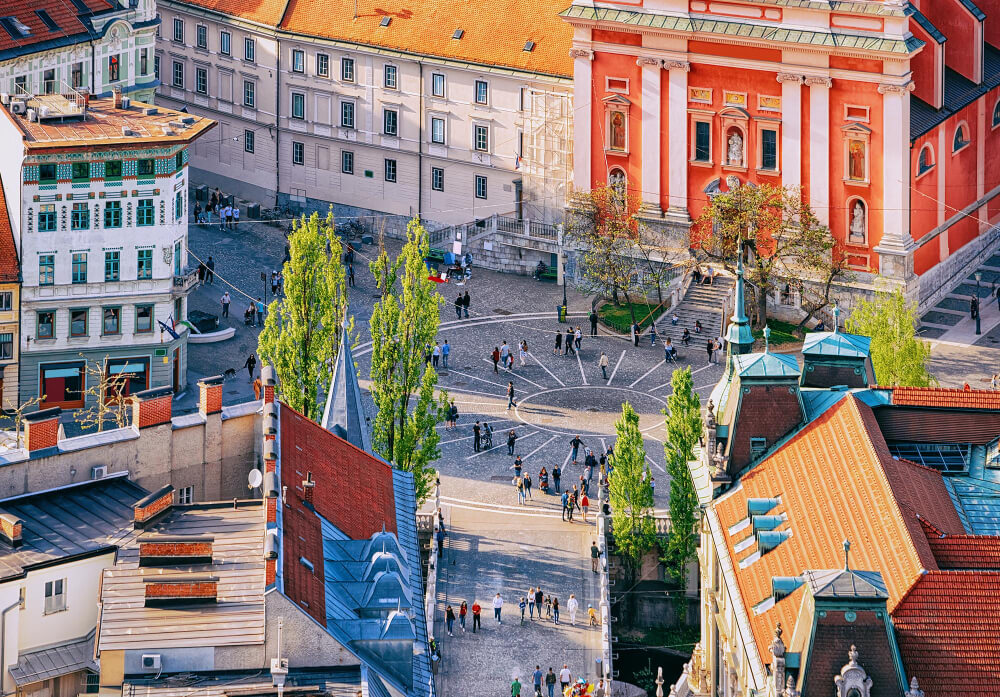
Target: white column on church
(677,149)
(791,129)
(650,154)
(896,239)
(582,90)
(819,146)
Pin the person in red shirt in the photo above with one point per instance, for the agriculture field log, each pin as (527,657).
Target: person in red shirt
(584,504)
(476,609)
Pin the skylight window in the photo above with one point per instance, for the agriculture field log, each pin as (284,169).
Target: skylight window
(385,21)
(529,46)
(47,20)
(15,27)
(459,33)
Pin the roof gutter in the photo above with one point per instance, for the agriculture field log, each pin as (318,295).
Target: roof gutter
(3,645)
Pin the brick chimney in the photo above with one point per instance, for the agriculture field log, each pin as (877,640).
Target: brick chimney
(270,421)
(210,395)
(269,381)
(270,454)
(41,429)
(149,508)
(152,407)
(270,556)
(117,95)
(164,550)
(10,529)
(308,486)
(182,590)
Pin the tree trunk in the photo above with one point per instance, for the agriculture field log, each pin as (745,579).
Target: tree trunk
(761,320)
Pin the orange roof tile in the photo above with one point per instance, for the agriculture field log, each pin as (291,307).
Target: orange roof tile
(10,270)
(262,11)
(64,15)
(943,397)
(967,552)
(947,631)
(837,481)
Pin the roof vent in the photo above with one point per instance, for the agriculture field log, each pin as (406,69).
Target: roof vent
(385,21)
(151,111)
(529,46)
(783,586)
(768,522)
(761,506)
(769,539)
(459,33)
(306,563)
(127,132)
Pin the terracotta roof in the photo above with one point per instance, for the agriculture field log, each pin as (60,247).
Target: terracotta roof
(949,398)
(966,552)
(946,628)
(261,11)
(836,481)
(10,270)
(63,14)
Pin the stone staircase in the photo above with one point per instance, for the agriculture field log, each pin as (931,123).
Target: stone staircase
(700,302)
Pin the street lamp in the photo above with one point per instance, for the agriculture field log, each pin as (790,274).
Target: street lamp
(979,276)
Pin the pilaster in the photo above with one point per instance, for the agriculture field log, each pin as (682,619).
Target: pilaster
(896,247)
(791,129)
(651,130)
(582,91)
(677,148)
(819,146)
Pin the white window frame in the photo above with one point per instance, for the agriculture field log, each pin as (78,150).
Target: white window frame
(300,148)
(444,130)
(437,173)
(930,148)
(354,114)
(762,126)
(200,72)
(299,97)
(394,132)
(178,36)
(480,178)
(249,49)
(444,85)
(249,141)
(323,61)
(692,157)
(478,128)
(298,55)
(55,601)
(201,32)
(395,170)
(348,69)
(177,79)
(390,83)
(962,125)
(475,92)
(225,43)
(252,102)
(347,162)
(185,495)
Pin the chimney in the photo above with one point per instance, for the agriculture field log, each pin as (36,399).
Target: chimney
(10,529)
(210,395)
(164,550)
(270,420)
(269,381)
(41,429)
(181,590)
(148,509)
(308,486)
(270,557)
(271,490)
(117,94)
(270,454)
(152,407)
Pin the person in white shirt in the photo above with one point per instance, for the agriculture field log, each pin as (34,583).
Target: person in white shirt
(497,605)
(573,605)
(565,677)
(236,216)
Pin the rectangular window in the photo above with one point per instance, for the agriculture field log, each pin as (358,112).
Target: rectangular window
(6,301)
(347,69)
(347,114)
(347,162)
(112,266)
(144,61)
(80,216)
(758,446)
(46,269)
(185,495)
(249,93)
(248,142)
(113,214)
(144,264)
(298,61)
(482,92)
(769,149)
(6,346)
(298,153)
(437,130)
(437,85)
(79,267)
(112,321)
(390,122)
(480,186)
(144,212)
(201,36)
(92,683)
(76,77)
(55,591)
(248,49)
(437,178)
(179,205)
(156,67)
(143,319)
(81,171)
(390,170)
(389,77)
(178,30)
(45,327)
(702,141)
(47,217)
(201,80)
(178,79)
(298,105)
(226,43)
(113,169)
(78,321)
(145,167)
(322,65)
(114,68)
(46,174)
(49,81)
(482,138)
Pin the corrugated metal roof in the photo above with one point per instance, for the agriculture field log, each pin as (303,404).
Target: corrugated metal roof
(237,618)
(54,661)
(68,521)
(332,682)
(836,344)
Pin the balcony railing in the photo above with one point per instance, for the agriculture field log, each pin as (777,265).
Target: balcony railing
(187,279)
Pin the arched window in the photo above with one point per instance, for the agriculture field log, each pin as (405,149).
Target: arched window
(926,159)
(996,114)
(857,221)
(961,137)
(617,181)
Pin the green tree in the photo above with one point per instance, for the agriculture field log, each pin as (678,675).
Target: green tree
(403,325)
(302,330)
(683,431)
(898,356)
(631,497)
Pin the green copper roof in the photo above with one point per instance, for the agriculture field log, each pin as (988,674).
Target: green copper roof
(836,344)
(843,584)
(766,365)
(777,34)
(739,337)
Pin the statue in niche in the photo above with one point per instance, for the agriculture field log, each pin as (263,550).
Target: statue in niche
(735,154)
(858,222)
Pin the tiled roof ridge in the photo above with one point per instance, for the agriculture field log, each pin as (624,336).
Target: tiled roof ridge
(930,528)
(916,396)
(375,458)
(915,464)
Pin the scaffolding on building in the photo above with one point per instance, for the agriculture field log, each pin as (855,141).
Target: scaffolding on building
(546,154)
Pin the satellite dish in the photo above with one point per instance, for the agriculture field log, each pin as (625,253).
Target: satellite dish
(254,479)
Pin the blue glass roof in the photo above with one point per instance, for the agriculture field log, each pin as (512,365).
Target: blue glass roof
(836,344)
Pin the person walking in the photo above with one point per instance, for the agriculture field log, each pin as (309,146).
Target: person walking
(595,555)
(274,283)
(476,437)
(511,440)
(578,337)
(531,603)
(710,349)
(550,682)
(436,355)
(510,398)
(463,610)
(556,474)
(652,335)
(519,485)
(636,333)
(523,352)
(497,607)
(569,341)
(517,466)
(476,609)
(466,301)
(593,323)
(445,352)
(449,617)
(226,301)
(537,679)
(539,599)
(260,312)
(575,444)
(458,306)
(350,275)
(210,276)
(523,604)
(558,349)
(235,218)
(515,688)
(564,499)
(573,605)
(251,365)
(555,610)
(548,607)
(495,356)
(603,362)
(584,504)
(504,353)
(527,485)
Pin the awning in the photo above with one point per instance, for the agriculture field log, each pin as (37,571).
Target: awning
(54,661)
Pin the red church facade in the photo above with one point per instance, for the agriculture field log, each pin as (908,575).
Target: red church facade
(886,115)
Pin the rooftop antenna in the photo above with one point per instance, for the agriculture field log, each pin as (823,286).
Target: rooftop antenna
(847,555)
(355,9)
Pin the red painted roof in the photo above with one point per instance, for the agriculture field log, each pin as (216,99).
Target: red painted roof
(965,552)
(63,14)
(948,398)
(9,268)
(948,631)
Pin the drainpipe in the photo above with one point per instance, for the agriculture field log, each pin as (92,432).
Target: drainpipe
(3,647)
(420,148)
(277,118)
